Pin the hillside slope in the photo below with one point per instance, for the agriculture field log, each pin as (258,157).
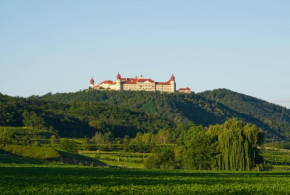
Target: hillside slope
(83,113)
(276,118)
(78,118)
(185,108)
(175,107)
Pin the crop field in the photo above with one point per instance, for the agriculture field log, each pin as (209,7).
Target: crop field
(40,179)
(276,156)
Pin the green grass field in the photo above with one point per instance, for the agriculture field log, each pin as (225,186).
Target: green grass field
(40,179)
(124,164)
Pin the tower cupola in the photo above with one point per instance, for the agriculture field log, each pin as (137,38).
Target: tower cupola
(92,82)
(118,76)
(172,78)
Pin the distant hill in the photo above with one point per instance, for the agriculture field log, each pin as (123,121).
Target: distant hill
(275,118)
(79,118)
(185,108)
(123,113)
(200,109)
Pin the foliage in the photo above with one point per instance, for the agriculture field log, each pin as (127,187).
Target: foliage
(32,120)
(53,140)
(142,143)
(68,145)
(79,118)
(185,108)
(274,119)
(163,158)
(237,145)
(126,113)
(231,146)
(152,162)
(102,138)
(199,149)
(208,108)
(85,143)
(7,137)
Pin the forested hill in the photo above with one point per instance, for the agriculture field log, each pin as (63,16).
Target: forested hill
(78,119)
(175,107)
(199,109)
(275,117)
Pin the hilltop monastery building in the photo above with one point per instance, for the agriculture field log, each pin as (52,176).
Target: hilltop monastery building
(138,84)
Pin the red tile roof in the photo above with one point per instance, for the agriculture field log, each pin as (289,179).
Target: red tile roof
(184,89)
(107,82)
(163,83)
(136,80)
(131,81)
(144,80)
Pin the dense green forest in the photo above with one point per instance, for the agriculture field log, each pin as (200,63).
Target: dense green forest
(176,107)
(78,119)
(200,109)
(196,133)
(83,113)
(274,118)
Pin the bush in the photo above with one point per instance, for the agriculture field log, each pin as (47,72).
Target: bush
(152,162)
(68,145)
(164,159)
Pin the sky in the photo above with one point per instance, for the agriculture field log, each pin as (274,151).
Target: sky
(58,45)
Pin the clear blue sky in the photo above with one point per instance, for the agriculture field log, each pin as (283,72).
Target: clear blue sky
(56,46)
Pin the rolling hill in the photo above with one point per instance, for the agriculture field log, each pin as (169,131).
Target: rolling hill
(275,118)
(123,113)
(205,109)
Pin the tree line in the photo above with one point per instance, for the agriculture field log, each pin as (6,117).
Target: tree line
(230,146)
(208,108)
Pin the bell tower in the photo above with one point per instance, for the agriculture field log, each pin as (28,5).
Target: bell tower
(172,84)
(92,83)
(118,82)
